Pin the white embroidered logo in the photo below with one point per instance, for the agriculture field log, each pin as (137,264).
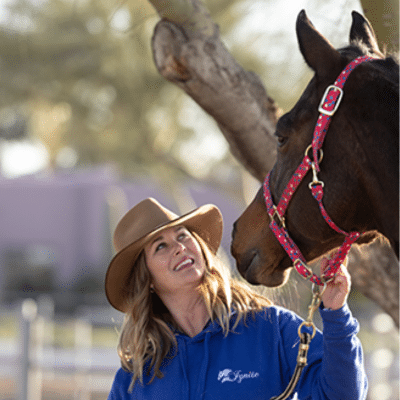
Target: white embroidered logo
(227,375)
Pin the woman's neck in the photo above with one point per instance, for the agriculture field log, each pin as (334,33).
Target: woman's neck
(188,310)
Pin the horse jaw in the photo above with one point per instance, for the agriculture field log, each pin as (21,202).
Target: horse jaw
(261,272)
(260,258)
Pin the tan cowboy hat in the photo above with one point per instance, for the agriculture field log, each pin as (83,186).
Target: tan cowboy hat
(139,225)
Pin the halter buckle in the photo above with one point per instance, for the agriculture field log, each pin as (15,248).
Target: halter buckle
(279,219)
(307,270)
(321,109)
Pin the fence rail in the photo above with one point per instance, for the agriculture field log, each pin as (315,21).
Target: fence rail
(34,367)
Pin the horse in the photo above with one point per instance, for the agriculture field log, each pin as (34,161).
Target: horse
(358,164)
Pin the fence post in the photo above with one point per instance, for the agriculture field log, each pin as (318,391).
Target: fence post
(28,312)
(42,334)
(83,361)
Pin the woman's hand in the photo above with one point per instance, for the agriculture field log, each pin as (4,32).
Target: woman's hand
(338,289)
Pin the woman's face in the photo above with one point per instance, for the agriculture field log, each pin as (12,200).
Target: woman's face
(175,260)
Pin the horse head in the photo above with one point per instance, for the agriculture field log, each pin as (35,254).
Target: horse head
(359,166)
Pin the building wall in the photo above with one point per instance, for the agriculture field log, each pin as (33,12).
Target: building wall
(56,230)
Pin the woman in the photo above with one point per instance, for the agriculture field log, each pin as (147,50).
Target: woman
(191,331)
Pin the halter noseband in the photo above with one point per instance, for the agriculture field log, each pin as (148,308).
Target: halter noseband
(328,106)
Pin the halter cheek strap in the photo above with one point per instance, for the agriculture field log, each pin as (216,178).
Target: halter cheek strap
(328,106)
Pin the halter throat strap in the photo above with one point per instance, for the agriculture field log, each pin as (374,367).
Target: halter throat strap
(327,108)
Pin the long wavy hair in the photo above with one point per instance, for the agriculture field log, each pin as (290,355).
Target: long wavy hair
(146,337)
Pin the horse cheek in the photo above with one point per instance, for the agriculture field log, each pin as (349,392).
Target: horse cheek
(274,265)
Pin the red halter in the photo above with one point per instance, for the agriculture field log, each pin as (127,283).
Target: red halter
(328,106)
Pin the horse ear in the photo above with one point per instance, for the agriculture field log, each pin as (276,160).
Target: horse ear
(362,31)
(317,51)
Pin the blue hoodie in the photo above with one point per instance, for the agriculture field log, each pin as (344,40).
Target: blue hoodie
(257,360)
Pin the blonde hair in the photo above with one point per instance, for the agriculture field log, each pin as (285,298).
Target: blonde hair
(146,338)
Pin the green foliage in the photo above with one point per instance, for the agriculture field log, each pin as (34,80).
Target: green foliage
(94,59)
(81,73)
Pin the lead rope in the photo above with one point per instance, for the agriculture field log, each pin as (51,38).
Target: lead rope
(305,340)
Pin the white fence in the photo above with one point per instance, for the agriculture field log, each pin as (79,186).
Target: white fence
(34,367)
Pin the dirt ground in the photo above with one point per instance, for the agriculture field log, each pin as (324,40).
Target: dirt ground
(58,388)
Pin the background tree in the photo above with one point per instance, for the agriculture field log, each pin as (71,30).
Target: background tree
(384,17)
(79,75)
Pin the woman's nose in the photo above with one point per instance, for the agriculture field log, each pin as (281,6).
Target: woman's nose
(179,247)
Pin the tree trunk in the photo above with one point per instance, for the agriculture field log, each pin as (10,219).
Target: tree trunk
(188,52)
(374,273)
(384,18)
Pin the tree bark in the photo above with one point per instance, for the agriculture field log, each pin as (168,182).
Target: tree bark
(188,52)
(374,272)
(384,18)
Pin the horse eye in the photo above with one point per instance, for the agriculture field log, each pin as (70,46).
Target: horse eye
(281,140)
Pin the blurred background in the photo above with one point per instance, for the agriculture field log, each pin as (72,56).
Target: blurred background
(88,128)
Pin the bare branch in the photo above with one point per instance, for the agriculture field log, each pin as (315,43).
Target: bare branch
(192,56)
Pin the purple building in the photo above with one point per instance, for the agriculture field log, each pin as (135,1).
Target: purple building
(56,230)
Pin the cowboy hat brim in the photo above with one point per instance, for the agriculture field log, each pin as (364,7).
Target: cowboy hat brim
(206,221)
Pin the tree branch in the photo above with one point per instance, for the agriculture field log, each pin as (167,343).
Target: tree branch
(192,56)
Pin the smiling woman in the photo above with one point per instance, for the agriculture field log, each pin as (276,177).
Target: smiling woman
(176,264)
(191,330)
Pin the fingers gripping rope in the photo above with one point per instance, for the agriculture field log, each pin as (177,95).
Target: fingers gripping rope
(305,340)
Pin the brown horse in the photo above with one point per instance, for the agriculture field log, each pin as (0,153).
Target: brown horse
(360,165)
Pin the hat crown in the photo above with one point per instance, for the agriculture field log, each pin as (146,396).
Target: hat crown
(144,218)
(144,221)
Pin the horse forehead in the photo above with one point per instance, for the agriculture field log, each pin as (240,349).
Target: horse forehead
(302,115)
(312,93)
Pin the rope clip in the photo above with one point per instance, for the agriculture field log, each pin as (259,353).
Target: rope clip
(315,180)
(315,303)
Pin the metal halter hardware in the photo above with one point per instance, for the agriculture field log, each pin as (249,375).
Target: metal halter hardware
(328,106)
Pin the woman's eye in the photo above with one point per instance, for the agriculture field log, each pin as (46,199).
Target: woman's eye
(182,236)
(159,247)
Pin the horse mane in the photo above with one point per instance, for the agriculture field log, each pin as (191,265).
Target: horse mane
(389,63)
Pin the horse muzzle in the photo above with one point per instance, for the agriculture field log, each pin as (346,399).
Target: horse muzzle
(258,271)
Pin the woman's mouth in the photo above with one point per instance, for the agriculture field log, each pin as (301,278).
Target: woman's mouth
(184,264)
